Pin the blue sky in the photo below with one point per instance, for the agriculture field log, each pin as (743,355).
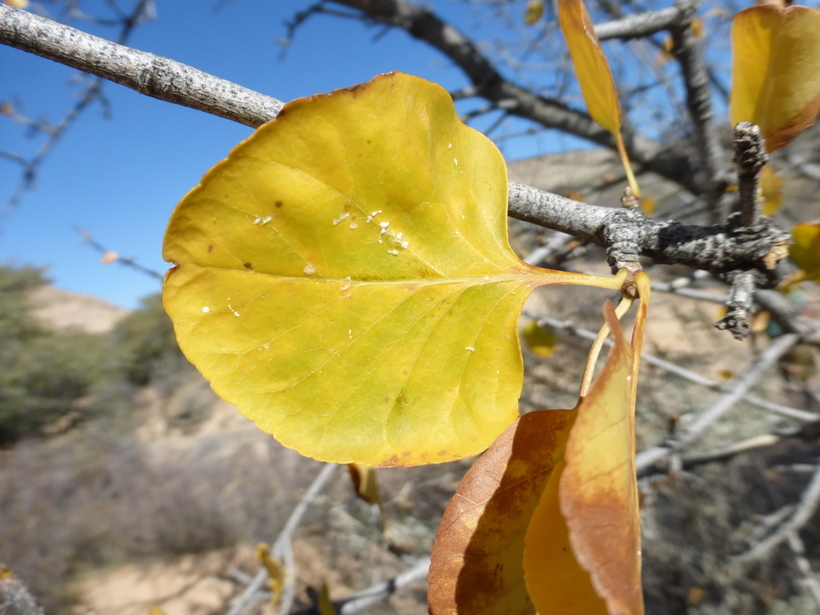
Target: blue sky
(119,177)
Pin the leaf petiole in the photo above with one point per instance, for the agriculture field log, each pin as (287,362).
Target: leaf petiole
(592,359)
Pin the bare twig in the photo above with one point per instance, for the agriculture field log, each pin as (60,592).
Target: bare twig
(809,580)
(122,260)
(647,460)
(381,591)
(728,452)
(802,514)
(248,597)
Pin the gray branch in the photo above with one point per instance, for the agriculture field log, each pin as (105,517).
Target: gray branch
(699,102)
(146,73)
(645,24)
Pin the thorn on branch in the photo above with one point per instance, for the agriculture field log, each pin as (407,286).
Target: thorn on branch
(750,157)
(740,305)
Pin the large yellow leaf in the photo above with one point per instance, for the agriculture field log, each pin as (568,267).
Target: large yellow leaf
(582,551)
(776,70)
(345,279)
(476,565)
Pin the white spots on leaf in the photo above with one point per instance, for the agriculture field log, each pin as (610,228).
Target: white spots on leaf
(344,216)
(463,217)
(393,252)
(263,221)
(205,309)
(346,283)
(405,244)
(309,269)
(470,348)
(350,333)
(373,215)
(235,313)
(486,278)
(354,225)
(455,160)
(449,146)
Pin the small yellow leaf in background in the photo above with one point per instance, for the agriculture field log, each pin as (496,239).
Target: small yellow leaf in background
(776,71)
(698,27)
(324,603)
(109,257)
(595,78)
(6,108)
(364,482)
(540,340)
(805,252)
(760,322)
(156,610)
(476,566)
(19,4)
(648,206)
(576,195)
(276,571)
(345,278)
(535,10)
(772,188)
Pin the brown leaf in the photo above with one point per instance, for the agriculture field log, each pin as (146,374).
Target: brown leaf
(476,565)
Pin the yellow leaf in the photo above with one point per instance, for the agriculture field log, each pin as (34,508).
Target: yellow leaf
(535,10)
(590,64)
(476,564)
(364,482)
(805,252)
(324,603)
(275,569)
(540,340)
(19,4)
(345,279)
(648,206)
(772,188)
(776,71)
(595,78)
(697,27)
(585,533)
(155,609)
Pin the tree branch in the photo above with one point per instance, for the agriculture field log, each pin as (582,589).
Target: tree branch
(717,249)
(146,73)
(645,24)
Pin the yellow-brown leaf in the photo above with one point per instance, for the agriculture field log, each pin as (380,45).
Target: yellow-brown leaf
(590,64)
(476,565)
(598,492)
(776,71)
